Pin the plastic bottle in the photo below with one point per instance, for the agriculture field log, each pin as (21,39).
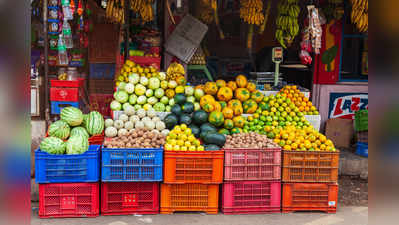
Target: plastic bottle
(67,33)
(62,52)
(66,10)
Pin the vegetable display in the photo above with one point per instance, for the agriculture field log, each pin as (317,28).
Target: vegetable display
(137,138)
(53,145)
(250,140)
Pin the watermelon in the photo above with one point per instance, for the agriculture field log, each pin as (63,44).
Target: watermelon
(95,123)
(85,116)
(53,145)
(59,129)
(79,131)
(72,115)
(77,144)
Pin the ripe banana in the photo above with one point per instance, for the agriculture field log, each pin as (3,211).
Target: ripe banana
(359,14)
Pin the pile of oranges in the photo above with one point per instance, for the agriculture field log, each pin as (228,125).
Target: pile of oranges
(298,98)
(306,139)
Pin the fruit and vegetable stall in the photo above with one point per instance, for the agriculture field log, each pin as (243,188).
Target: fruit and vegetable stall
(165,145)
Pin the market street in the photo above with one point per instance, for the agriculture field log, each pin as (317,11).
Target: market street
(344,216)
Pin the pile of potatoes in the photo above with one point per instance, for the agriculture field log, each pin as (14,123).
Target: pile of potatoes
(138,138)
(250,140)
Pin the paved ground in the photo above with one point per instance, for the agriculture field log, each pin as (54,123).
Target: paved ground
(344,216)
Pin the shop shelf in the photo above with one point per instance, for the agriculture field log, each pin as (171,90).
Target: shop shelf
(251,197)
(310,197)
(204,167)
(310,166)
(189,198)
(67,83)
(68,200)
(123,198)
(57,106)
(252,164)
(68,168)
(362,149)
(64,94)
(141,165)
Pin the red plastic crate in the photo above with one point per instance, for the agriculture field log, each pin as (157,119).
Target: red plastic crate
(64,94)
(67,83)
(310,197)
(68,200)
(251,197)
(252,164)
(122,198)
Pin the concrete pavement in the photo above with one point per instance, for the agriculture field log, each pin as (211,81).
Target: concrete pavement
(344,216)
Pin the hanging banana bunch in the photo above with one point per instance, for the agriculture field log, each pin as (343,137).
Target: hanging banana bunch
(287,22)
(251,11)
(144,8)
(115,11)
(205,13)
(360,15)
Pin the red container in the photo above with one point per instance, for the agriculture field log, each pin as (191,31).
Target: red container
(97,139)
(67,83)
(251,197)
(252,164)
(68,200)
(64,94)
(310,197)
(122,198)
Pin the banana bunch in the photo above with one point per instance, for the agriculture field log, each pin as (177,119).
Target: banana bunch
(287,22)
(144,8)
(206,12)
(175,70)
(251,11)
(115,11)
(360,15)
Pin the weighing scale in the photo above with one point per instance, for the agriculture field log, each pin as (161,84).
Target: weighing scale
(277,58)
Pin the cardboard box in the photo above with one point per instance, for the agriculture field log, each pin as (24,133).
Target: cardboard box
(340,131)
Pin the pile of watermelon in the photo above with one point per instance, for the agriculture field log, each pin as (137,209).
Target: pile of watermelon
(70,135)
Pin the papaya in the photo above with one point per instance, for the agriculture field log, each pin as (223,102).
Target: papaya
(250,106)
(242,94)
(239,121)
(210,88)
(217,107)
(241,81)
(228,112)
(232,85)
(257,96)
(220,83)
(224,94)
(251,86)
(216,118)
(206,99)
(228,124)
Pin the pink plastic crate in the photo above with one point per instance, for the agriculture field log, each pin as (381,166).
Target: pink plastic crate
(252,164)
(251,197)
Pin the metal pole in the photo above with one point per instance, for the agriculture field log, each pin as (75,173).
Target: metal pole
(46,88)
(127,23)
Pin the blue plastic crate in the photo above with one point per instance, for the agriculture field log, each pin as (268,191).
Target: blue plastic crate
(68,168)
(57,106)
(119,165)
(362,149)
(102,70)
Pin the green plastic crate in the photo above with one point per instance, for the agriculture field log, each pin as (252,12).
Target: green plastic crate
(362,120)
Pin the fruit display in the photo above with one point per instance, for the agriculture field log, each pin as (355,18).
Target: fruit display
(249,140)
(360,15)
(304,104)
(130,68)
(287,22)
(140,138)
(132,120)
(174,71)
(251,11)
(70,134)
(181,138)
(304,139)
(115,11)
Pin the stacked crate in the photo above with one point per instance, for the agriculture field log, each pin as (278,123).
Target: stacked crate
(310,181)
(191,181)
(130,181)
(68,184)
(64,93)
(362,133)
(252,181)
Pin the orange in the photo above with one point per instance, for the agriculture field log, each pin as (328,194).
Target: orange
(307,109)
(289,95)
(310,104)
(301,108)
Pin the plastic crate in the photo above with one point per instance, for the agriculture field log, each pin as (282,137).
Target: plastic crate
(120,165)
(362,149)
(68,168)
(251,197)
(252,164)
(204,167)
(306,166)
(189,198)
(129,198)
(309,197)
(67,83)
(57,106)
(102,70)
(64,94)
(69,200)
(361,120)
(97,139)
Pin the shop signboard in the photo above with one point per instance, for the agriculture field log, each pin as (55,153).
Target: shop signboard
(344,105)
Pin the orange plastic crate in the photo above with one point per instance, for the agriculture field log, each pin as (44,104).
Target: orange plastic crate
(310,197)
(305,166)
(189,198)
(205,167)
